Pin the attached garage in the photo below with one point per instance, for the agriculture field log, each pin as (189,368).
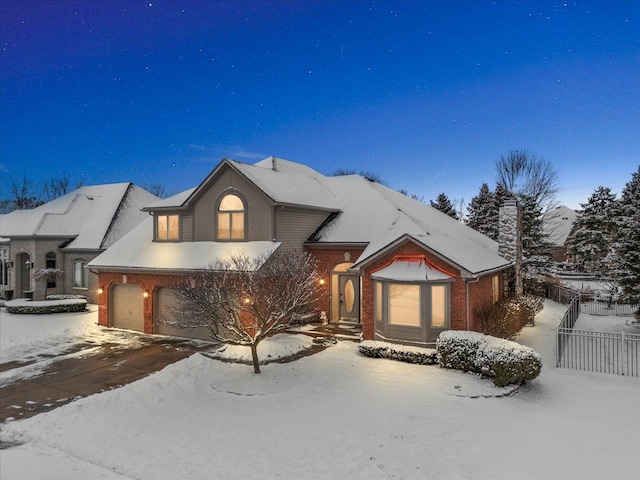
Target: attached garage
(127,306)
(166,311)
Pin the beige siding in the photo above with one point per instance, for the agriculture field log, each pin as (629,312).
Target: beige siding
(294,226)
(259,208)
(187,227)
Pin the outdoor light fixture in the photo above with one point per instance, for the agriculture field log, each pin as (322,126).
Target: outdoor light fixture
(247,301)
(10,264)
(100,290)
(145,294)
(321,281)
(28,264)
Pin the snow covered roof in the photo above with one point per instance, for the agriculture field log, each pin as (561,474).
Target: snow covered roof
(410,271)
(557,224)
(94,217)
(365,213)
(172,201)
(137,250)
(289,182)
(378,216)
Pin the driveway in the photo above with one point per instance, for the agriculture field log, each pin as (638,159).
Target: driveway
(78,375)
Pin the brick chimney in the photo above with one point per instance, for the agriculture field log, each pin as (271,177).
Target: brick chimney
(510,243)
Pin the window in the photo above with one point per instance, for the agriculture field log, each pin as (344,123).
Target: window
(50,262)
(438,306)
(404,304)
(378,302)
(168,227)
(495,288)
(80,274)
(231,218)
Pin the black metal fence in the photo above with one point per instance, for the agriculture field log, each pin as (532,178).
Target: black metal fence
(592,351)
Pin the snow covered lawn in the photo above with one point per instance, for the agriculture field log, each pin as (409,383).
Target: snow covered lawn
(337,414)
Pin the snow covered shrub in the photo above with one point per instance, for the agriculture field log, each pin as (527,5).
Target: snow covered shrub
(508,362)
(21,306)
(66,297)
(534,302)
(458,350)
(505,318)
(403,353)
(505,362)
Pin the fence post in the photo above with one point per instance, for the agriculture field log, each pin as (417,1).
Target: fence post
(623,357)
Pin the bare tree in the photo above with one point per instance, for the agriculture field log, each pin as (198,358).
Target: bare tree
(156,189)
(243,300)
(369,175)
(523,174)
(22,194)
(57,187)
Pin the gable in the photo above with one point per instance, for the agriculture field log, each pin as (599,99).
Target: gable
(258,206)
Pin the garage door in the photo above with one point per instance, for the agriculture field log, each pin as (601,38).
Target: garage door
(127,306)
(167,311)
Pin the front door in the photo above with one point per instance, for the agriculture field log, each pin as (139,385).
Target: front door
(349,290)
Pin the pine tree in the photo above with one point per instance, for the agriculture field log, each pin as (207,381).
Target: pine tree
(481,213)
(593,233)
(627,264)
(443,204)
(534,240)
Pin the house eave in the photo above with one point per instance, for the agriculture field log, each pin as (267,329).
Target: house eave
(336,245)
(359,267)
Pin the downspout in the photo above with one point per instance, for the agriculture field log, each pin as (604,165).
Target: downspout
(475,280)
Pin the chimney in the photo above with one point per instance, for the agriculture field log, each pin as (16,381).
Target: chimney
(510,243)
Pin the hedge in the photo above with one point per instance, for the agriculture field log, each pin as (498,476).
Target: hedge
(21,306)
(403,353)
(504,361)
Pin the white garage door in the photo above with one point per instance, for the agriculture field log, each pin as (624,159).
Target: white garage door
(167,311)
(127,307)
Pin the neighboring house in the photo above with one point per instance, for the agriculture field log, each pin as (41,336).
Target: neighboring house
(557,225)
(400,268)
(67,233)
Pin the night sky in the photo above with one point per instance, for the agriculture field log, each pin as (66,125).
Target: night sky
(426,94)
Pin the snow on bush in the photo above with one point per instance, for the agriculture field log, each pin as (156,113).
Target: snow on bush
(404,353)
(504,361)
(22,306)
(458,349)
(66,297)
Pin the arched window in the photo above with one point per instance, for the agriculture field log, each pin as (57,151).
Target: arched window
(231,218)
(50,262)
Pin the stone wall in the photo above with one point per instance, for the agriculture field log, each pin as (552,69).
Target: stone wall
(510,243)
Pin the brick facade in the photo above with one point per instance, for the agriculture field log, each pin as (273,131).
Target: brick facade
(479,291)
(148,282)
(327,259)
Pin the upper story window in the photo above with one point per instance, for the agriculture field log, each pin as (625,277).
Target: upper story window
(231,218)
(168,227)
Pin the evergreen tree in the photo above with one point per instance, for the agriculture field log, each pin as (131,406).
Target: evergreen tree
(443,204)
(482,213)
(593,233)
(627,264)
(534,241)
